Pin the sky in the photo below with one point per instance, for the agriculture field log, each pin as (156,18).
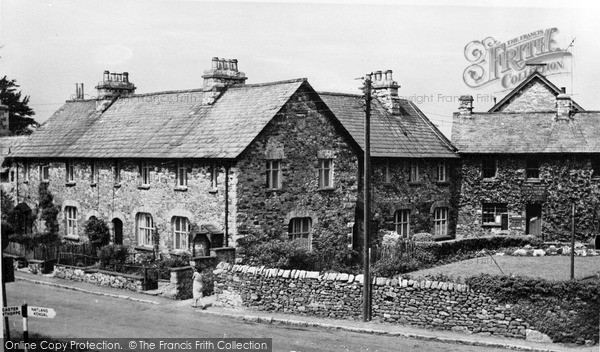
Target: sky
(48,46)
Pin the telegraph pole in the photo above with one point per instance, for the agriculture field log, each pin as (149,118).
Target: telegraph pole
(573,242)
(367,202)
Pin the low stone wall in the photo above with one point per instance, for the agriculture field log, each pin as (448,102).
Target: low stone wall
(429,304)
(180,284)
(99,277)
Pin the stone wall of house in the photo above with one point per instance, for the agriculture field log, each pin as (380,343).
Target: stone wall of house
(393,191)
(200,202)
(562,182)
(533,97)
(429,304)
(114,280)
(298,136)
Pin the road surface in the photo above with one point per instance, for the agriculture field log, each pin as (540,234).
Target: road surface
(84,315)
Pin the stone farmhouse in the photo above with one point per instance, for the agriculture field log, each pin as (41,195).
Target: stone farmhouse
(187,171)
(525,163)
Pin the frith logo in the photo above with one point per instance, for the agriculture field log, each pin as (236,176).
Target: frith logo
(492,61)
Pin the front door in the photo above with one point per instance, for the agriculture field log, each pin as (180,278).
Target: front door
(533,214)
(117,231)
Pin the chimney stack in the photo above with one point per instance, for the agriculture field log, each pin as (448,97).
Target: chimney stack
(4,125)
(113,85)
(385,89)
(79,94)
(564,106)
(465,107)
(223,73)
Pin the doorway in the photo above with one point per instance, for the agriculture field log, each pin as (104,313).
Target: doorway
(117,230)
(533,215)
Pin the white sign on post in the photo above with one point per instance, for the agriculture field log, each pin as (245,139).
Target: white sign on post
(41,312)
(8,311)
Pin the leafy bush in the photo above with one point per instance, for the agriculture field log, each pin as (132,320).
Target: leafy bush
(422,237)
(176,261)
(48,209)
(97,232)
(114,254)
(208,282)
(280,254)
(388,267)
(567,311)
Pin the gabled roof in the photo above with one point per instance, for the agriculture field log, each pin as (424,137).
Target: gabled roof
(180,124)
(526,133)
(160,125)
(410,135)
(533,78)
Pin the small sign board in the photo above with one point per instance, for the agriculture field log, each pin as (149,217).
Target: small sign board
(41,312)
(8,311)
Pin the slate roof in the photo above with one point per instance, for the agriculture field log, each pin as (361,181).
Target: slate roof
(410,135)
(535,76)
(160,125)
(526,133)
(6,143)
(178,124)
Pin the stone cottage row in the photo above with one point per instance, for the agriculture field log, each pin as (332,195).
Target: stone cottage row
(186,171)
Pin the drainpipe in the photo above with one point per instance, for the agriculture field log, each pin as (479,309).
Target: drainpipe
(226,205)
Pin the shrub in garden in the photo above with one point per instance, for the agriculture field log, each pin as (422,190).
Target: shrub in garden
(175,261)
(114,254)
(422,237)
(97,232)
(390,266)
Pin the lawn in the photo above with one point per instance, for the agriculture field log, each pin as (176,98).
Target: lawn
(549,267)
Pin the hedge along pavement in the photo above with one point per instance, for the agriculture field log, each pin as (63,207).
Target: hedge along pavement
(422,303)
(567,311)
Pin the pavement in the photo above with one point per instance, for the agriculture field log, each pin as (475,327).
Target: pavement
(265,317)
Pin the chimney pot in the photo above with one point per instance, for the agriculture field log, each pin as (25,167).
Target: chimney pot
(388,75)
(378,75)
(215,63)
(126,77)
(563,90)
(234,64)
(106,76)
(465,107)
(221,64)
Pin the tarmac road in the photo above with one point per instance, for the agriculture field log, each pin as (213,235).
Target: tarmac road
(83,315)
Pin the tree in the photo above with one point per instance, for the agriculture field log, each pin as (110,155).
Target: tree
(97,231)
(20,114)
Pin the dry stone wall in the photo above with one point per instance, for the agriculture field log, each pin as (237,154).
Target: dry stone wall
(422,303)
(122,281)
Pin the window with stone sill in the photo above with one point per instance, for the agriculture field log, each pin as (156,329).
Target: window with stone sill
(299,229)
(93,173)
(492,213)
(274,174)
(144,174)
(325,173)
(71,220)
(489,167)
(144,229)
(532,169)
(414,175)
(26,171)
(181,176)
(402,222)
(117,173)
(440,221)
(45,173)
(180,226)
(214,175)
(70,172)
(442,175)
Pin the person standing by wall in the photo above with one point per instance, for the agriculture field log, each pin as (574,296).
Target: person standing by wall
(197,288)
